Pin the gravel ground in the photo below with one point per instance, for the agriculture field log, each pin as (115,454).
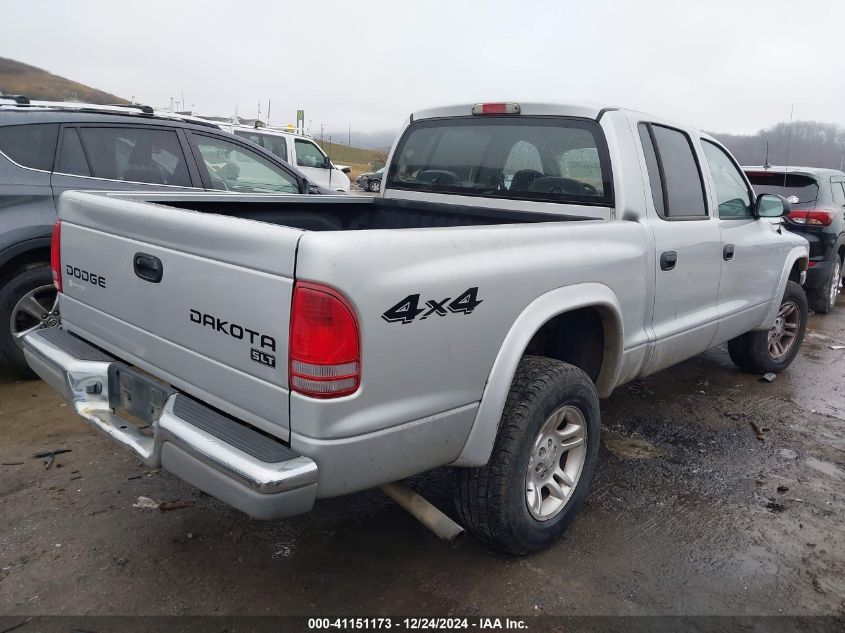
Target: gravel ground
(690,513)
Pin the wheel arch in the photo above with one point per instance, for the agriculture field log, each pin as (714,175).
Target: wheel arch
(26,252)
(537,315)
(795,264)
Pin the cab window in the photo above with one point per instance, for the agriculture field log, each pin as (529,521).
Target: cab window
(309,155)
(232,167)
(732,193)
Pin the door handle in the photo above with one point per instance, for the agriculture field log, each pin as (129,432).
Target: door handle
(148,267)
(728,252)
(668,260)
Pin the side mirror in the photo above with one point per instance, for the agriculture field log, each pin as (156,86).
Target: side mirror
(770,205)
(327,163)
(306,186)
(346,169)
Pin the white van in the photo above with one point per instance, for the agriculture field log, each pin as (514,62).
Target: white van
(298,150)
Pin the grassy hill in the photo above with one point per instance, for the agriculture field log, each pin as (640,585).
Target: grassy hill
(360,160)
(21,79)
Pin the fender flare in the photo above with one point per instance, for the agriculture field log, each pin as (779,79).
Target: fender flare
(482,435)
(797,253)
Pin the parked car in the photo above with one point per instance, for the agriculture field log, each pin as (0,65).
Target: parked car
(817,197)
(332,347)
(297,149)
(48,148)
(370,181)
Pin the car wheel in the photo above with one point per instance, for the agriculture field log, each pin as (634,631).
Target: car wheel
(27,302)
(375,186)
(823,299)
(774,350)
(542,462)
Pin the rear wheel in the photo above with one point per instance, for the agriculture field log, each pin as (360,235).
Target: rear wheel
(775,349)
(823,299)
(542,462)
(27,302)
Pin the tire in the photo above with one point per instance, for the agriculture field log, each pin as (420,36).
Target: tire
(13,288)
(752,351)
(374,186)
(493,501)
(823,299)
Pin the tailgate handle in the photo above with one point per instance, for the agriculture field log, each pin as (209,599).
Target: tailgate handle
(148,267)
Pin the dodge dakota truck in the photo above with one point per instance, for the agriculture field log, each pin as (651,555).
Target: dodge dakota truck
(520,262)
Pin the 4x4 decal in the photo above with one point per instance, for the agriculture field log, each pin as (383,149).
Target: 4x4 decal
(409,308)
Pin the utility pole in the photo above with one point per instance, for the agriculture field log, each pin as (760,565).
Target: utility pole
(349,136)
(321,132)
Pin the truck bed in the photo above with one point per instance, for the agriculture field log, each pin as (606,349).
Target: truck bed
(348,213)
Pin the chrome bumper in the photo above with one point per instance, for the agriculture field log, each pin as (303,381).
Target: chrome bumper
(201,451)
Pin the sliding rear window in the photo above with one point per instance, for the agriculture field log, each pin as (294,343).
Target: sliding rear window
(796,188)
(552,159)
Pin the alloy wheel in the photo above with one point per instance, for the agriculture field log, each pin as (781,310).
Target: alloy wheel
(37,309)
(784,332)
(556,461)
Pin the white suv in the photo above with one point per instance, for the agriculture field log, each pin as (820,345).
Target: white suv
(296,149)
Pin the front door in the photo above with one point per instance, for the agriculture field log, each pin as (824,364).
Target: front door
(753,251)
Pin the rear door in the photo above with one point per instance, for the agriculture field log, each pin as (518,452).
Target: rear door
(122,158)
(686,238)
(753,251)
(201,301)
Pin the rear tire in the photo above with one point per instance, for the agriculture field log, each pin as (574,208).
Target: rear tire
(758,352)
(549,401)
(12,289)
(823,299)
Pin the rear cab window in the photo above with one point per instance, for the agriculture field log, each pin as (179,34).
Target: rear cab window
(550,159)
(673,172)
(798,189)
(30,145)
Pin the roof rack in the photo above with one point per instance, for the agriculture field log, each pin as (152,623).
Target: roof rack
(19,99)
(20,102)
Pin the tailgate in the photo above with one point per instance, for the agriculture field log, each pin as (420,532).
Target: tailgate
(216,323)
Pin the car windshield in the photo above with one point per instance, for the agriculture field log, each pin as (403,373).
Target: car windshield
(538,158)
(798,189)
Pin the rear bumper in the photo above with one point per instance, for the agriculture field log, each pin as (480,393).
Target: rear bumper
(229,460)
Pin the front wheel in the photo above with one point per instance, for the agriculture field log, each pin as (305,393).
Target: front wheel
(542,462)
(774,350)
(375,186)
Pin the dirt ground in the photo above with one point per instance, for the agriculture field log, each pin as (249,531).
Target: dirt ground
(690,513)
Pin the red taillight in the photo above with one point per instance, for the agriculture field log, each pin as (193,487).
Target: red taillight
(495,108)
(56,255)
(814,217)
(325,350)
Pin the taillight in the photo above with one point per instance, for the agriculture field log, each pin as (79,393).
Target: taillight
(814,217)
(325,348)
(495,108)
(56,255)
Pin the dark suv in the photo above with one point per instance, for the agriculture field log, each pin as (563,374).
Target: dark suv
(817,197)
(48,148)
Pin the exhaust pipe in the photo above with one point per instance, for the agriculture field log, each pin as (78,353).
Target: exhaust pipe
(444,527)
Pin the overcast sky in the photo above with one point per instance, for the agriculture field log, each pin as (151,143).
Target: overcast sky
(726,66)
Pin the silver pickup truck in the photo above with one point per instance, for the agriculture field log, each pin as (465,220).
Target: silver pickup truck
(521,261)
